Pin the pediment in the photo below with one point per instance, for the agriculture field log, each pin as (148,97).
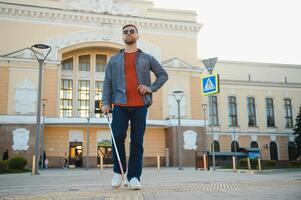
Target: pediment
(177,63)
(26,54)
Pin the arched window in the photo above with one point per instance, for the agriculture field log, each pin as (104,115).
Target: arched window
(254,144)
(273,151)
(216,146)
(233,144)
(292,151)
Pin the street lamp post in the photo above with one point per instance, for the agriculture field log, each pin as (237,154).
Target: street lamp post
(41,61)
(88,142)
(42,134)
(235,150)
(211,127)
(204,106)
(178,95)
(209,64)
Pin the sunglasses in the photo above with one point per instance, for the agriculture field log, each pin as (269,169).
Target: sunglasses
(131,31)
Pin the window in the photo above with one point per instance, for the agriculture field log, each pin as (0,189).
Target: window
(98,90)
(67,64)
(173,106)
(83,98)
(234,146)
(216,146)
(66,98)
(254,144)
(270,112)
(84,63)
(288,113)
(215,111)
(232,111)
(292,151)
(251,111)
(273,151)
(98,96)
(101,61)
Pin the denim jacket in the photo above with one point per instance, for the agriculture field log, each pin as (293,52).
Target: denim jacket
(114,88)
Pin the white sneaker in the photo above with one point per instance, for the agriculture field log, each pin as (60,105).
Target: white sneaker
(135,184)
(116,181)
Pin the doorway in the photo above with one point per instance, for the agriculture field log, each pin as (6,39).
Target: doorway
(104,148)
(75,154)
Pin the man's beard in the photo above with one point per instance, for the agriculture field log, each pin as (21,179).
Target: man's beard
(130,40)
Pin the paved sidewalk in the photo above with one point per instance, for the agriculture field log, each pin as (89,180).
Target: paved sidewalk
(165,184)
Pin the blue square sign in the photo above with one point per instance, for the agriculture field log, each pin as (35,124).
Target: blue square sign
(210,84)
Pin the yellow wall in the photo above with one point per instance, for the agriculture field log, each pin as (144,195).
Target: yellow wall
(196,98)
(183,47)
(50,92)
(4,82)
(16,35)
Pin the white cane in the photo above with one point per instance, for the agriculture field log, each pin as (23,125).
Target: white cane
(116,150)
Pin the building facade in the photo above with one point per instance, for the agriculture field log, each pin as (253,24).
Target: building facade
(261,100)
(83,37)
(256,107)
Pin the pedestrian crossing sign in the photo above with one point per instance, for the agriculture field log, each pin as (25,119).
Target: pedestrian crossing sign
(210,84)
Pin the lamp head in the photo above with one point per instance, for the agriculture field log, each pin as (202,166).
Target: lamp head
(178,94)
(41,46)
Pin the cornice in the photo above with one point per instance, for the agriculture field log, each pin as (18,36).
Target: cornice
(260,83)
(89,19)
(272,65)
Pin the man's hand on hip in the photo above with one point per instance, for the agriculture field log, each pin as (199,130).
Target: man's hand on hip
(143,89)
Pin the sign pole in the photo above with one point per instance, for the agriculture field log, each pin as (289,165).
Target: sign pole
(211,87)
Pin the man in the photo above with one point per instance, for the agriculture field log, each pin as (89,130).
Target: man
(5,155)
(128,87)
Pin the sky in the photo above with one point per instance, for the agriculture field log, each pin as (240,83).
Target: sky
(266,31)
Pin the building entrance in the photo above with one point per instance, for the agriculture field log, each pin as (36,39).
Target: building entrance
(104,148)
(75,154)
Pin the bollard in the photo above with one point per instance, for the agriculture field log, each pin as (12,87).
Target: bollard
(158,162)
(33,165)
(167,157)
(205,162)
(234,163)
(249,164)
(259,164)
(101,162)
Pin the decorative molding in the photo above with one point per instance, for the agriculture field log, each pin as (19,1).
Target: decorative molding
(88,19)
(20,139)
(103,6)
(20,119)
(215,137)
(236,137)
(25,97)
(273,138)
(254,137)
(173,105)
(189,138)
(106,33)
(180,65)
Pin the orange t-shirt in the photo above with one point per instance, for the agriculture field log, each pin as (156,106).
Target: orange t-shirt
(134,98)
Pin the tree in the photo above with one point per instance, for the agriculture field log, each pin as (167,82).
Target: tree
(297,131)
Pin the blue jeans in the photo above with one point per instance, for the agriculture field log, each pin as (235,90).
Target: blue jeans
(121,117)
